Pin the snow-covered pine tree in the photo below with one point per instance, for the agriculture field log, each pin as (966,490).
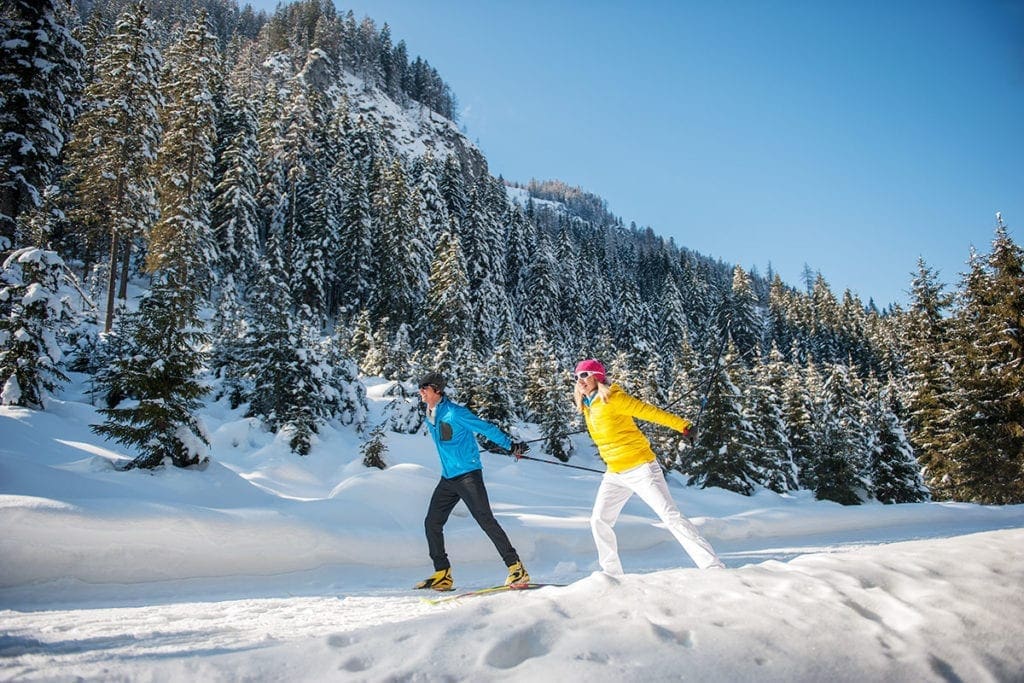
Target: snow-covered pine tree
(304,220)
(840,458)
(801,414)
(453,191)
(987,457)
(38,297)
(376,355)
(778,324)
(271,198)
(521,240)
(399,354)
(635,331)
(346,397)
(449,311)
(773,456)
(160,371)
(894,473)
(355,273)
(548,398)
(672,319)
(501,384)
(374,448)
(483,239)
(271,339)
(570,300)
(925,335)
(742,317)
(228,349)
(397,250)
(725,438)
(181,243)
(234,213)
(113,147)
(825,345)
(540,316)
(40,74)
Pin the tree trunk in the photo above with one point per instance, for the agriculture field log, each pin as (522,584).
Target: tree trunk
(122,292)
(111,282)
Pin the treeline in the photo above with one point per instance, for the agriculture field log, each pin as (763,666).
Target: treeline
(226,161)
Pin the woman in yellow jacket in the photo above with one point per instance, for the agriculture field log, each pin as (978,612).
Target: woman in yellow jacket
(632,468)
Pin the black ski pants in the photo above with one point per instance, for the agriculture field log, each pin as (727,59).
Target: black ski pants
(469,488)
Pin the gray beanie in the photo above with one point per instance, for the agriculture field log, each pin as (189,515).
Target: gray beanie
(433,379)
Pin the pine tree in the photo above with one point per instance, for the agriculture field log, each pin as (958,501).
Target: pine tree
(234,213)
(448,309)
(286,370)
(675,331)
(398,250)
(356,274)
(825,311)
(40,75)
(840,460)
(725,439)
(926,338)
(540,314)
(181,243)
(773,456)
(228,350)
(374,448)
(894,473)
(115,143)
(160,371)
(987,457)
(346,397)
(37,292)
(801,413)
(547,398)
(741,315)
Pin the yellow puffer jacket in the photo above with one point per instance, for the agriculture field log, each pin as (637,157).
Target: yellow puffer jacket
(619,441)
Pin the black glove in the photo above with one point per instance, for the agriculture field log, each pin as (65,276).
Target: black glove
(518,448)
(492,447)
(690,436)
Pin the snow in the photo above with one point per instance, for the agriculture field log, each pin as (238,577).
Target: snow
(265,565)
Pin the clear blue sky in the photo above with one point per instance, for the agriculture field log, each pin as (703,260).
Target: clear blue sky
(852,136)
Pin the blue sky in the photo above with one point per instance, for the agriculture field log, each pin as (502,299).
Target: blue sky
(853,137)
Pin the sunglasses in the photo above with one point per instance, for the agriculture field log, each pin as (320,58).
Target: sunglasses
(585,374)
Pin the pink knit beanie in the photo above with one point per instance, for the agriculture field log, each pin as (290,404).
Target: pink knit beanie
(591,365)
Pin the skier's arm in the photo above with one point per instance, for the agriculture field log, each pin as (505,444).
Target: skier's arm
(464,418)
(624,403)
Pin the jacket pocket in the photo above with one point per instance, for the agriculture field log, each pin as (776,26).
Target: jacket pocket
(446,431)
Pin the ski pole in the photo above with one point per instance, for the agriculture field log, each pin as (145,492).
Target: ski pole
(549,462)
(555,462)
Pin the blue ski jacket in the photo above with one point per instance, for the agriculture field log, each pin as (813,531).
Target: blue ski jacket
(453,429)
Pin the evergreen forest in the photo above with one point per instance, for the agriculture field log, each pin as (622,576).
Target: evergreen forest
(293,196)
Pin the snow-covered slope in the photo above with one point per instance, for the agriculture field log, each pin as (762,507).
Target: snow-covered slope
(268,565)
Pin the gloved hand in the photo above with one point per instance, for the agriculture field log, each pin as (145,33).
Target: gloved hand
(492,447)
(690,436)
(518,448)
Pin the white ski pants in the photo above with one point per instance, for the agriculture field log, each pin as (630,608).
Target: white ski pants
(648,482)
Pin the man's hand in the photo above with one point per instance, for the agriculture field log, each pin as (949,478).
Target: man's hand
(690,436)
(519,448)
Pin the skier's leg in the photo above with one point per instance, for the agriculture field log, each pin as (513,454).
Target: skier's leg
(649,483)
(442,502)
(611,497)
(471,488)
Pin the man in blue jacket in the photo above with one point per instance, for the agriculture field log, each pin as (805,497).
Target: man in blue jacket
(452,427)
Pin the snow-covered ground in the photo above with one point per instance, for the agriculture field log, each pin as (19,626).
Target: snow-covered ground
(269,566)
